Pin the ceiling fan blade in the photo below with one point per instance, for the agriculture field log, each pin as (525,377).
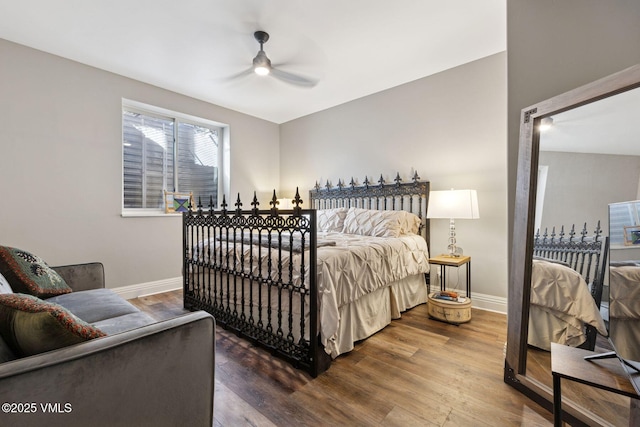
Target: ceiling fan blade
(237,76)
(262,67)
(293,78)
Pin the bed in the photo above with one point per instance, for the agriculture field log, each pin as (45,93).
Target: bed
(309,283)
(566,288)
(624,308)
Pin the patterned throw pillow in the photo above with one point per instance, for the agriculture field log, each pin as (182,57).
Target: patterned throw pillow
(29,274)
(31,326)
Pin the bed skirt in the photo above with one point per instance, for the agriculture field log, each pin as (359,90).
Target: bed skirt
(372,312)
(358,320)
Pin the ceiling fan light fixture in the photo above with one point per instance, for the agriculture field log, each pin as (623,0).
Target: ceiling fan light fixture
(261,64)
(262,67)
(546,123)
(261,71)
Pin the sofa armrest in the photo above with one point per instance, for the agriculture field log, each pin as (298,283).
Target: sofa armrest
(82,277)
(157,375)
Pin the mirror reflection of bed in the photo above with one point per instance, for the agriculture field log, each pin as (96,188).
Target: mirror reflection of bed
(624,279)
(587,162)
(566,288)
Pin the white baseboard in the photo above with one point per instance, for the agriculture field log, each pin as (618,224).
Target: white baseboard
(149,288)
(481,301)
(489,302)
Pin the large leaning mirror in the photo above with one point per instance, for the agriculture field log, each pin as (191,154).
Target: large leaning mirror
(569,174)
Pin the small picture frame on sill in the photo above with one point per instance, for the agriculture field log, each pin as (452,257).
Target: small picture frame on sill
(632,235)
(176,202)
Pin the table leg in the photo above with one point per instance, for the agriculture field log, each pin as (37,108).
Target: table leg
(469,279)
(557,401)
(427,279)
(443,277)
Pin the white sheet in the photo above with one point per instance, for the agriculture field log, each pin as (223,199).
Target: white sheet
(560,306)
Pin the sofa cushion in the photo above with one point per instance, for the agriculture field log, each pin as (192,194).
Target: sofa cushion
(81,277)
(29,274)
(130,321)
(31,326)
(95,305)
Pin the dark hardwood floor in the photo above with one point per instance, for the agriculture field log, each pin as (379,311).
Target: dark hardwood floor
(415,372)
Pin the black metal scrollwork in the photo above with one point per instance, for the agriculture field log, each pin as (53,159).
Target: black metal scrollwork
(237,263)
(416,193)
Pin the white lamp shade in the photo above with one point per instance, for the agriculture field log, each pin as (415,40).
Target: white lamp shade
(457,204)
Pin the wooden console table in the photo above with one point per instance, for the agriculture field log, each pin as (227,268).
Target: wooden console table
(606,374)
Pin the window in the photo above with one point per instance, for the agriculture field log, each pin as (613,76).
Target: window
(543,172)
(622,215)
(161,151)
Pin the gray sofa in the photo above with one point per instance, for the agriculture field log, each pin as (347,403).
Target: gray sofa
(143,373)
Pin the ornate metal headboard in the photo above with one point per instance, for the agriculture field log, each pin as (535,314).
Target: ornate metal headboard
(586,254)
(410,196)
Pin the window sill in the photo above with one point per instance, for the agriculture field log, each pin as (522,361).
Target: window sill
(619,247)
(139,213)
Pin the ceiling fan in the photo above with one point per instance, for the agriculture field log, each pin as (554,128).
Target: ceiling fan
(262,66)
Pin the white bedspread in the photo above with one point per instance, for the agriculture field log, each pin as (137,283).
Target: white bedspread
(355,266)
(359,265)
(560,306)
(624,310)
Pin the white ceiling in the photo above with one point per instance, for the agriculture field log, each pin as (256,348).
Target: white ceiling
(607,126)
(353,47)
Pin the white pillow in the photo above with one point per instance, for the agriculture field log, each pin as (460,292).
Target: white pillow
(331,219)
(368,222)
(409,223)
(5,287)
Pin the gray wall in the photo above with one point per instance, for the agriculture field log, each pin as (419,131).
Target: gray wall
(61,165)
(555,46)
(449,127)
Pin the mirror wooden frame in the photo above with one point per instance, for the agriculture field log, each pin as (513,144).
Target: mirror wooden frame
(519,293)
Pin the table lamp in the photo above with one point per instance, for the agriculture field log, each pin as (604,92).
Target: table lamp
(453,204)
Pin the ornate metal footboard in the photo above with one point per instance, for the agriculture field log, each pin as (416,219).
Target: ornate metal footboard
(255,272)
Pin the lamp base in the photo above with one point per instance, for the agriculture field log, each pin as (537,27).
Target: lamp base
(454,251)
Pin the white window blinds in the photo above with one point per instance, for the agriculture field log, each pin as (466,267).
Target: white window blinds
(167,153)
